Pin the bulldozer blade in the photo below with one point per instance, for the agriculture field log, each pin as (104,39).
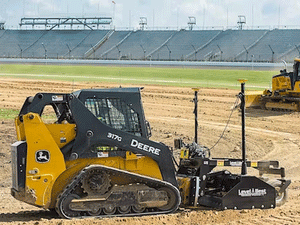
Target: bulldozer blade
(253,99)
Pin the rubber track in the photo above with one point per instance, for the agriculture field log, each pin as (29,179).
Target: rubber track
(151,182)
(271,99)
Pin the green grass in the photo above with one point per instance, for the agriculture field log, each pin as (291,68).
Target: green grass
(184,77)
(8,113)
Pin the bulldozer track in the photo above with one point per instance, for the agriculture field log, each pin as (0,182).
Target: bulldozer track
(135,178)
(280,103)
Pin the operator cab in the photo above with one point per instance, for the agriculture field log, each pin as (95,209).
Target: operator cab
(296,72)
(278,82)
(119,108)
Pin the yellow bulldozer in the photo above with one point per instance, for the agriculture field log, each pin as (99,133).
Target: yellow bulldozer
(285,93)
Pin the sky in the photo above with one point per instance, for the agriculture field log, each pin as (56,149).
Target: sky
(159,13)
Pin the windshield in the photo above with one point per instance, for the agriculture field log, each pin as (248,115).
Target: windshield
(115,113)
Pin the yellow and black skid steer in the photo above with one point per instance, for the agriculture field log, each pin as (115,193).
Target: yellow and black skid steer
(97,160)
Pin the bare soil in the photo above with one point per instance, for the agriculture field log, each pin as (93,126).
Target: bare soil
(270,135)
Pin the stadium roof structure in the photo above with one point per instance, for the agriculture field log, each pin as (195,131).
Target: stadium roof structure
(91,23)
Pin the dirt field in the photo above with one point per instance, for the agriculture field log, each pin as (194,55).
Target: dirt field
(270,135)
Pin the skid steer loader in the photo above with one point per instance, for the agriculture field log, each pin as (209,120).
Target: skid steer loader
(97,160)
(285,93)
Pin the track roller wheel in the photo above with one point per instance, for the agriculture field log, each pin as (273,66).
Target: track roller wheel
(263,105)
(109,210)
(95,212)
(63,208)
(138,209)
(171,199)
(124,209)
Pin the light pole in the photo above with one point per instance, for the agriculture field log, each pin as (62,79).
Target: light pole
(169,52)
(114,11)
(69,51)
(21,51)
(45,50)
(144,52)
(195,52)
(272,53)
(220,51)
(246,53)
(119,52)
(93,50)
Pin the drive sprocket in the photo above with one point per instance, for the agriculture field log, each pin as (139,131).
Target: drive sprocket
(96,182)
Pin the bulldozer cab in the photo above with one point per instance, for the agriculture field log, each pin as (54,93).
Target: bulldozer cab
(296,72)
(286,80)
(294,76)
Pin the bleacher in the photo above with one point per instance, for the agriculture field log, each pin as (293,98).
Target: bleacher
(86,43)
(56,43)
(108,49)
(14,42)
(138,44)
(278,41)
(228,44)
(183,43)
(196,45)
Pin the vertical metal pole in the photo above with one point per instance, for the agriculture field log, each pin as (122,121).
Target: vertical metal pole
(272,53)
(196,113)
(242,97)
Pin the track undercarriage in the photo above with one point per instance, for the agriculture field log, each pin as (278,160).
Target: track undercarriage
(104,191)
(280,103)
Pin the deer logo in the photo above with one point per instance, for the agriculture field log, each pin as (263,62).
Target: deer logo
(42,156)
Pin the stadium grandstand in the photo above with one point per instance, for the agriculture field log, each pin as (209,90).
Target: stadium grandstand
(95,38)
